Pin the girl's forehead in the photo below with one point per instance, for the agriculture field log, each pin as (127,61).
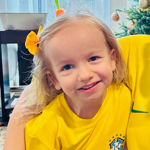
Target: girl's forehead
(75,38)
(71,32)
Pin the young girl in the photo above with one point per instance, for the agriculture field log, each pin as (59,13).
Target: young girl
(78,72)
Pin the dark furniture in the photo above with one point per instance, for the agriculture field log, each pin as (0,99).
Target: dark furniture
(24,65)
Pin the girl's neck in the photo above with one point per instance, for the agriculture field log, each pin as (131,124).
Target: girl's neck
(85,110)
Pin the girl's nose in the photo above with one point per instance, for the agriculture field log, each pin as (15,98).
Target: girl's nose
(85,73)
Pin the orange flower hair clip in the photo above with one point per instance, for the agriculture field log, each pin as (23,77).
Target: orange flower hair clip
(32,41)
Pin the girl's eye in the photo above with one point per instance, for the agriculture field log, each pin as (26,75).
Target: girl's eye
(93,58)
(67,67)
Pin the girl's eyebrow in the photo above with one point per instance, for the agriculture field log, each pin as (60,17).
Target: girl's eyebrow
(95,51)
(63,61)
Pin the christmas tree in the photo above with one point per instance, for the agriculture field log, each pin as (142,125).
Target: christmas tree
(139,19)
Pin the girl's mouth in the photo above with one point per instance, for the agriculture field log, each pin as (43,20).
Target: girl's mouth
(89,86)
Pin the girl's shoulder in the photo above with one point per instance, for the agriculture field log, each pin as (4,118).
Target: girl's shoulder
(120,92)
(118,99)
(47,116)
(43,128)
(119,87)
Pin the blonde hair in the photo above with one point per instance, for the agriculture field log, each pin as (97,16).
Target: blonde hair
(44,91)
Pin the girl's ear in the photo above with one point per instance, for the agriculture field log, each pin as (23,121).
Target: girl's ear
(54,81)
(113,59)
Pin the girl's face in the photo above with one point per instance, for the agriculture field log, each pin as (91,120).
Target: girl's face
(81,61)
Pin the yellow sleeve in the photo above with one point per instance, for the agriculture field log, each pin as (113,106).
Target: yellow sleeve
(136,52)
(33,143)
(41,132)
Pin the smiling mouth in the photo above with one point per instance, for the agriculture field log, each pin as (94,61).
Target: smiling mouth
(89,86)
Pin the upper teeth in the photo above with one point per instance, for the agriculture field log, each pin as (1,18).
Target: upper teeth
(87,87)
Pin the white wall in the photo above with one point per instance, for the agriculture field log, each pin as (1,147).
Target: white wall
(118,4)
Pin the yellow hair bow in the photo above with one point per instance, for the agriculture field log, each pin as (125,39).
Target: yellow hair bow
(32,41)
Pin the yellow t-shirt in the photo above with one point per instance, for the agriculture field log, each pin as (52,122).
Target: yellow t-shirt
(58,128)
(136,51)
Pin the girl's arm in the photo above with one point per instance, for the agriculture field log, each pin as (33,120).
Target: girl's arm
(14,138)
